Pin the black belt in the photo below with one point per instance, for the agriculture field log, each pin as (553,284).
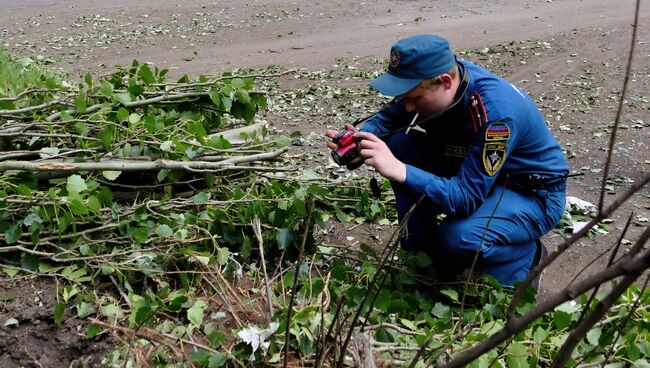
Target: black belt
(533,182)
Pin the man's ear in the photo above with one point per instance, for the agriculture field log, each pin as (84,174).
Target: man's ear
(446,80)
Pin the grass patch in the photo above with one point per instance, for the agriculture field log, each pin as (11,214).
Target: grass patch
(16,75)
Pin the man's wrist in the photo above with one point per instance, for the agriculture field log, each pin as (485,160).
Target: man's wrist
(400,175)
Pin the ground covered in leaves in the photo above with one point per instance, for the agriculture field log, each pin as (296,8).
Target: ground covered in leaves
(574,71)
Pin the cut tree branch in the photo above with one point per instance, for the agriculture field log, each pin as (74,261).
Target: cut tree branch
(125,165)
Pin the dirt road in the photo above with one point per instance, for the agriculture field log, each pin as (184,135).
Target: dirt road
(211,36)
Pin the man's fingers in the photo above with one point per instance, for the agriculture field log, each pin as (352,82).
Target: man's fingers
(367,136)
(330,133)
(350,127)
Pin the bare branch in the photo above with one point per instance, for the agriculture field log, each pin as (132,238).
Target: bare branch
(257,230)
(535,271)
(294,289)
(627,266)
(617,120)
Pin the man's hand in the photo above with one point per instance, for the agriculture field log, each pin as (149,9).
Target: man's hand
(332,133)
(376,153)
(331,145)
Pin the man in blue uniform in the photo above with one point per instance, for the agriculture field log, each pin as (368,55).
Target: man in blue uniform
(476,149)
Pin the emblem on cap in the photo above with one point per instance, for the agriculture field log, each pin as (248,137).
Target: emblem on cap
(394,58)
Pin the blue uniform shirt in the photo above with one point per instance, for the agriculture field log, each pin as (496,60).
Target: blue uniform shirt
(495,129)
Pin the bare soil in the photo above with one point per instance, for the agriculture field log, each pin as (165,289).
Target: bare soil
(570,55)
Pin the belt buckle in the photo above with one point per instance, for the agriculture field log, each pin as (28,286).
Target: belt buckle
(535,181)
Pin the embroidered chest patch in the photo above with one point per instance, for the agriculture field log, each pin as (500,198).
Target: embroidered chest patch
(494,155)
(497,132)
(455,151)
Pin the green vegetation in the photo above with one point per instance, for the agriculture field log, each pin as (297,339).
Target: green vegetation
(170,218)
(16,75)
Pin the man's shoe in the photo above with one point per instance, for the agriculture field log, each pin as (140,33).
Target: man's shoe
(540,255)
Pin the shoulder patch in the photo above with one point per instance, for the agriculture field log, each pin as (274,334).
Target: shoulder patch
(494,155)
(497,132)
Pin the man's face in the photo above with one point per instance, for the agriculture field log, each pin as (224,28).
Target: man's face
(426,101)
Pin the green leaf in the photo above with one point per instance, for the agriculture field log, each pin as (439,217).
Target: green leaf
(122,114)
(140,310)
(167,146)
(223,254)
(441,311)
(164,230)
(195,313)
(237,83)
(134,88)
(397,306)
(409,324)
(216,338)
(226,102)
(77,207)
(517,356)
(152,124)
(242,96)
(146,74)
(111,311)
(201,197)
(76,184)
(81,128)
(32,218)
(134,119)
(29,261)
(217,360)
(422,260)
(93,204)
(339,270)
(219,142)
(80,104)
(107,269)
(124,98)
(176,301)
(452,294)
(197,129)
(162,174)
(201,357)
(561,319)
(540,335)
(284,237)
(85,309)
(141,235)
(88,78)
(93,330)
(106,88)
(106,137)
(59,308)
(111,175)
(593,336)
(12,234)
(11,272)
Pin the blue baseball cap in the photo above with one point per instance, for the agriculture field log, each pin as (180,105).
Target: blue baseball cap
(412,60)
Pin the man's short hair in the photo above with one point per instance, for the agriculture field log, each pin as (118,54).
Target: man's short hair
(430,82)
